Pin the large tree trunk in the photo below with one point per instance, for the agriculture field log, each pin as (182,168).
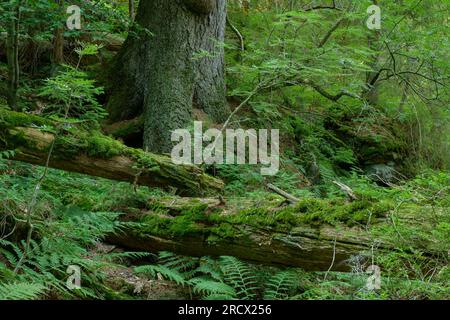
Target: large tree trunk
(209,90)
(58,42)
(12,53)
(160,75)
(92,153)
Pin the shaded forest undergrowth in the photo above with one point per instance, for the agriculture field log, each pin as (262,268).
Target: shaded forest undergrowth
(369,174)
(76,215)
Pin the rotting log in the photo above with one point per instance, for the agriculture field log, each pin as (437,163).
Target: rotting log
(109,41)
(314,234)
(90,152)
(207,227)
(307,248)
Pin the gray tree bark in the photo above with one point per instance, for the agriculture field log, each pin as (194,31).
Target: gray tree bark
(12,53)
(161,75)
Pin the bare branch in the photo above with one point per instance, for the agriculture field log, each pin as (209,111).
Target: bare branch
(330,32)
(238,34)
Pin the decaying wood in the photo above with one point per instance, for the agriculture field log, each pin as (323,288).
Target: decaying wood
(20,133)
(315,247)
(110,42)
(309,247)
(347,190)
(124,128)
(306,248)
(283,193)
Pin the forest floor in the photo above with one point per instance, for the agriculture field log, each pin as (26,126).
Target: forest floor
(366,206)
(82,212)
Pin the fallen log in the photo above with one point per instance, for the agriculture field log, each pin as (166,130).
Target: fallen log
(207,227)
(109,41)
(314,234)
(284,194)
(307,248)
(90,152)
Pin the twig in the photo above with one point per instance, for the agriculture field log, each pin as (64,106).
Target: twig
(332,261)
(30,209)
(238,108)
(330,32)
(238,34)
(283,193)
(347,190)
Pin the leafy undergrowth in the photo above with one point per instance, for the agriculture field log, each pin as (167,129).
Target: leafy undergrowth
(68,229)
(414,217)
(229,278)
(74,213)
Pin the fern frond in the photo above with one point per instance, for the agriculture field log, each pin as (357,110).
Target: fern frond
(219,296)
(240,277)
(281,284)
(165,272)
(209,267)
(120,256)
(21,291)
(209,287)
(177,262)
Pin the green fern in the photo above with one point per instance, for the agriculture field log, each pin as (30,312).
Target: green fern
(210,268)
(7,154)
(281,285)
(47,260)
(165,272)
(208,288)
(240,277)
(21,291)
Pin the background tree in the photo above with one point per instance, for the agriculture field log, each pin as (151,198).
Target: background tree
(12,52)
(177,60)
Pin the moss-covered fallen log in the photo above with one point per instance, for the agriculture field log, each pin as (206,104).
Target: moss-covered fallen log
(90,152)
(296,236)
(314,234)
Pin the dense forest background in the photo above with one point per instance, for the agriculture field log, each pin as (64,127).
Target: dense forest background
(358,210)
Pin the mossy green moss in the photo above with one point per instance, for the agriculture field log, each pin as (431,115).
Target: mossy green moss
(198,219)
(11,119)
(191,220)
(20,119)
(99,144)
(315,212)
(338,211)
(75,142)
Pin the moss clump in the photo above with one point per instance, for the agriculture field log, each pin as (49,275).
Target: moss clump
(10,138)
(152,224)
(104,146)
(318,211)
(73,142)
(223,231)
(20,119)
(314,212)
(192,220)
(145,160)
(215,225)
